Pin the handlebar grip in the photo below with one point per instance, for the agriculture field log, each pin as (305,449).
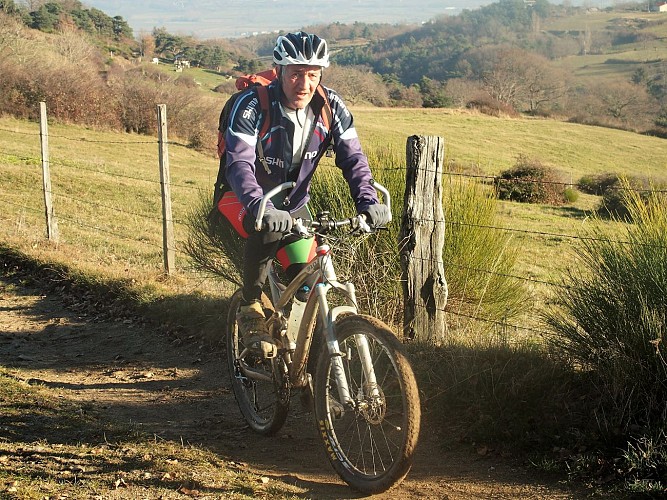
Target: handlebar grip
(265,200)
(385,194)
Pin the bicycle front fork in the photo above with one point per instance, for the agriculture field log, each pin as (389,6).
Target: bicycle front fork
(329,316)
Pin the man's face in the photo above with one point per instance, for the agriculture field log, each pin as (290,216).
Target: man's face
(299,83)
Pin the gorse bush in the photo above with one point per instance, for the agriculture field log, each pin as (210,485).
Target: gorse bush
(611,317)
(597,184)
(373,263)
(478,259)
(615,200)
(212,244)
(529,181)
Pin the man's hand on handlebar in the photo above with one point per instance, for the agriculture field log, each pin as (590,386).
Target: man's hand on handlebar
(378,215)
(277,221)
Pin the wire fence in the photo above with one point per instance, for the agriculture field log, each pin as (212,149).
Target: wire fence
(125,206)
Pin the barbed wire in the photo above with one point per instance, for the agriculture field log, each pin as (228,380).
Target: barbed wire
(106,207)
(2,129)
(496,179)
(84,225)
(78,166)
(483,177)
(503,324)
(96,141)
(504,275)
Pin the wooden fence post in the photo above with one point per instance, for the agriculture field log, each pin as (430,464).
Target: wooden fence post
(51,222)
(422,239)
(168,242)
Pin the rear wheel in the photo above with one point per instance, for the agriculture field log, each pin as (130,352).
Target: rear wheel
(370,439)
(260,386)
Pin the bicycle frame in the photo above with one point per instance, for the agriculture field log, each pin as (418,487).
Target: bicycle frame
(359,384)
(319,270)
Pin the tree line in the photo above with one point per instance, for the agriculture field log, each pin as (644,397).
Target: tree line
(497,59)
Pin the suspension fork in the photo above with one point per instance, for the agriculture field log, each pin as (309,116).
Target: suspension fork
(329,316)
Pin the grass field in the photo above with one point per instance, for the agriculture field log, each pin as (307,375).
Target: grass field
(621,61)
(106,188)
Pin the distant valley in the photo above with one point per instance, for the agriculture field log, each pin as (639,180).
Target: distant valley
(232,18)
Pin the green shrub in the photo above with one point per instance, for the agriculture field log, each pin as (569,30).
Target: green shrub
(529,181)
(571,195)
(644,464)
(597,184)
(615,197)
(478,258)
(487,105)
(213,246)
(611,317)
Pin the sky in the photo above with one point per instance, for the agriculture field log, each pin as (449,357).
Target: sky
(207,19)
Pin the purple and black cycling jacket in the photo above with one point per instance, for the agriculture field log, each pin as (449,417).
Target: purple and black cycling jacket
(249,178)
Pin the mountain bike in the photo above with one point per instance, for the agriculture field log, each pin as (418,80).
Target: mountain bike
(364,393)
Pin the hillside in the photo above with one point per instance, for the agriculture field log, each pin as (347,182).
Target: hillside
(507,58)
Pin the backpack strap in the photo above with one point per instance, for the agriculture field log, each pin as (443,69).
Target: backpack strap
(327,115)
(327,118)
(263,94)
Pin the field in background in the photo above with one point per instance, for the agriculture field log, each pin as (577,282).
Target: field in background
(106,188)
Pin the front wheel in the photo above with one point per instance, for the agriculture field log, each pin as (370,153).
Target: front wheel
(370,438)
(260,386)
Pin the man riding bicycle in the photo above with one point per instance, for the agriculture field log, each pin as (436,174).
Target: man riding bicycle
(299,133)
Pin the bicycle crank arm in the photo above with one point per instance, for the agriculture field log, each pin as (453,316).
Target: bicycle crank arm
(253,374)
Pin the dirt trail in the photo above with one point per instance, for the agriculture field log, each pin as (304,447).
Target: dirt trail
(179,390)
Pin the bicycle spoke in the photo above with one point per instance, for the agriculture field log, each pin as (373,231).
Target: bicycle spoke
(375,435)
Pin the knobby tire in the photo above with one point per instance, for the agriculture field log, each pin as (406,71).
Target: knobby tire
(263,404)
(371,446)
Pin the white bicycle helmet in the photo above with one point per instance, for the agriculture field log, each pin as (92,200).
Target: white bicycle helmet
(301,48)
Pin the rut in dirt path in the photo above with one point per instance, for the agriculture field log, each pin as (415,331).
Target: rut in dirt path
(178,390)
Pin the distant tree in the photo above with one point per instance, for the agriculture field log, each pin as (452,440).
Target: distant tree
(433,93)
(15,46)
(517,77)
(121,29)
(245,65)
(73,47)
(9,7)
(400,95)
(34,5)
(621,99)
(543,84)
(166,43)
(147,45)
(357,84)
(461,91)
(46,17)
(504,81)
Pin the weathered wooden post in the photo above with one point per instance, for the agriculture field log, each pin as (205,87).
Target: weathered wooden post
(422,238)
(168,242)
(51,222)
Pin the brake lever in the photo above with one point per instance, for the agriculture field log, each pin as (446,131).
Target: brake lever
(360,225)
(299,228)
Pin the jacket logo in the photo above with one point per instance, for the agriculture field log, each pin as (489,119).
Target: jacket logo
(270,160)
(250,109)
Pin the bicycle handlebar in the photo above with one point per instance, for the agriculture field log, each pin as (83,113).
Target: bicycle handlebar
(289,185)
